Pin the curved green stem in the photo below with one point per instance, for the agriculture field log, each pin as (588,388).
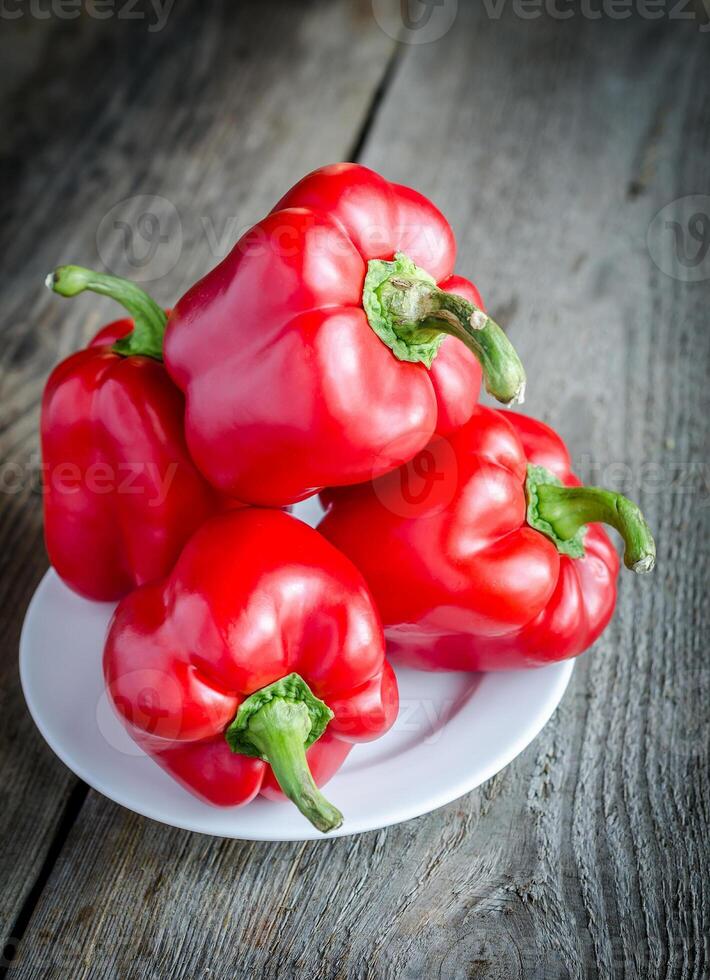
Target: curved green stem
(411,314)
(503,373)
(568,509)
(278,723)
(148,318)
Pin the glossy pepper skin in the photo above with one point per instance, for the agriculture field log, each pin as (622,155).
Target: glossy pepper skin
(461,578)
(291,384)
(256,596)
(121,493)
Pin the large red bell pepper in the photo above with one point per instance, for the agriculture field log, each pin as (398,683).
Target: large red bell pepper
(478,552)
(121,494)
(318,352)
(262,643)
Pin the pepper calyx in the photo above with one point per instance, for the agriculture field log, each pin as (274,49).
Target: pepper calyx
(406,340)
(537,476)
(291,689)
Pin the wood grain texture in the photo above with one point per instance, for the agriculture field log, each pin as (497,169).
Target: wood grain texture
(215,114)
(551,145)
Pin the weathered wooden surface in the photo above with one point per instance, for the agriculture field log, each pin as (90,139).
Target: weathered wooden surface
(551,145)
(215,114)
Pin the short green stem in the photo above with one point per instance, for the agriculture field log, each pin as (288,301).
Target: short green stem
(568,509)
(148,318)
(412,315)
(277,724)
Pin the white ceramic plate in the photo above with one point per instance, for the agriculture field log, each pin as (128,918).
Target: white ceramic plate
(453,732)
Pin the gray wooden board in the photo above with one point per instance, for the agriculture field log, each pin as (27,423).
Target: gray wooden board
(216,114)
(551,145)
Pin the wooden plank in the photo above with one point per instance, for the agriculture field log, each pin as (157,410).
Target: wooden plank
(575,136)
(552,145)
(216,114)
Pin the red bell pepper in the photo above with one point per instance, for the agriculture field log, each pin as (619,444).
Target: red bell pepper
(121,492)
(262,643)
(478,552)
(318,352)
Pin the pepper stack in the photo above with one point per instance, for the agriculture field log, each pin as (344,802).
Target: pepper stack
(333,351)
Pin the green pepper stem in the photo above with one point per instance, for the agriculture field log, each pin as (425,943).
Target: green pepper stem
(503,373)
(417,312)
(148,318)
(279,730)
(567,509)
